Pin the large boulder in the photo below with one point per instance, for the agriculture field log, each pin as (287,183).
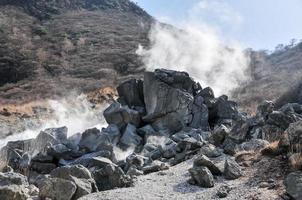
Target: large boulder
(94,140)
(204,161)
(14,186)
(121,115)
(294,135)
(79,175)
(56,189)
(168,101)
(232,169)
(202,176)
(131,92)
(111,176)
(293,183)
(200,112)
(130,137)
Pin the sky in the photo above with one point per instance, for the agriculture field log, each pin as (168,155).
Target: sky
(259,24)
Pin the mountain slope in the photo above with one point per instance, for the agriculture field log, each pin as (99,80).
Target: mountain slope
(50,47)
(273,75)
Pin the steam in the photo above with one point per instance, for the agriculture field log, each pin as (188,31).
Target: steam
(198,49)
(76,113)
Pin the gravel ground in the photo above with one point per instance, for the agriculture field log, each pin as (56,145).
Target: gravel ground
(172,184)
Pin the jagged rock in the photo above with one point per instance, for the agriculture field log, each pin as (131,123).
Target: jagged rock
(87,160)
(79,175)
(227,109)
(230,146)
(110,177)
(169,150)
(136,160)
(202,176)
(49,137)
(14,186)
(155,166)
(57,189)
(131,92)
(167,107)
(253,145)
(203,161)
(59,151)
(280,119)
(294,135)
(188,144)
(265,108)
(232,170)
(219,134)
(121,115)
(113,133)
(200,118)
(293,183)
(210,151)
(93,140)
(130,138)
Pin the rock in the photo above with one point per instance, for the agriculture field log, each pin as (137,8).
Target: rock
(219,134)
(87,160)
(232,169)
(223,191)
(294,135)
(202,176)
(49,137)
(14,186)
(56,189)
(230,146)
(121,115)
(59,151)
(136,160)
(210,151)
(167,107)
(113,133)
(132,171)
(93,140)
(130,138)
(79,175)
(203,161)
(227,109)
(111,177)
(188,144)
(169,150)
(253,145)
(200,114)
(280,119)
(42,168)
(131,92)
(293,184)
(155,167)
(265,108)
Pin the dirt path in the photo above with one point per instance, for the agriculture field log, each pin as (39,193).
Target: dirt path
(172,184)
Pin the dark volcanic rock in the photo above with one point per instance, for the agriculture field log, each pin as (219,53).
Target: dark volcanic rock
(202,176)
(293,183)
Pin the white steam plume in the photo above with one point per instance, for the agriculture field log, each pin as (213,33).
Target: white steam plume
(197,49)
(76,113)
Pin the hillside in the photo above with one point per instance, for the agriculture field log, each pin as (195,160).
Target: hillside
(273,75)
(49,47)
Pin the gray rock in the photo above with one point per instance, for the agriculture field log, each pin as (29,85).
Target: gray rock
(265,108)
(281,119)
(14,186)
(169,150)
(232,170)
(294,135)
(203,161)
(202,176)
(131,92)
(219,134)
(293,183)
(130,138)
(113,133)
(79,175)
(230,146)
(111,177)
(167,107)
(253,145)
(155,166)
(227,109)
(121,115)
(56,189)
(211,151)
(93,140)
(132,171)
(200,114)
(42,168)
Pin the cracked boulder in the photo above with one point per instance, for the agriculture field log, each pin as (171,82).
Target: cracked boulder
(168,103)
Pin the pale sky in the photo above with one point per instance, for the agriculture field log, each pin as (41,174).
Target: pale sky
(260,24)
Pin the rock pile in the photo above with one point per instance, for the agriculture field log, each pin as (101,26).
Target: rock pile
(163,120)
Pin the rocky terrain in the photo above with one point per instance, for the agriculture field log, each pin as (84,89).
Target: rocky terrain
(48,48)
(167,137)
